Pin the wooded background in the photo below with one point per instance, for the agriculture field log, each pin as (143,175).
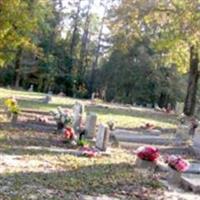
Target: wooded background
(130,51)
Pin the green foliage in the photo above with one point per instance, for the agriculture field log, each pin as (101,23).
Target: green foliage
(137,77)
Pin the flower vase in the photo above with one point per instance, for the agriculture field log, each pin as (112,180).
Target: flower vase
(14,118)
(174,176)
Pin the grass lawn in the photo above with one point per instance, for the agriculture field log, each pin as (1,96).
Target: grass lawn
(31,167)
(124,116)
(37,165)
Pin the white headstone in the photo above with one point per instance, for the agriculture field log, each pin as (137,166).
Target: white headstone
(78,110)
(31,88)
(91,125)
(77,122)
(102,137)
(179,108)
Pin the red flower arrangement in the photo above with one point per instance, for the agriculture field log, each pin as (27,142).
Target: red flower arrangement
(148,126)
(69,133)
(89,152)
(177,163)
(148,153)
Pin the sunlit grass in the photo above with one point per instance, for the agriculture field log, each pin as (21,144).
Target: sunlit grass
(126,118)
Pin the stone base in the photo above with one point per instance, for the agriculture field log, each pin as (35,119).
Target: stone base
(145,164)
(102,197)
(174,177)
(191,182)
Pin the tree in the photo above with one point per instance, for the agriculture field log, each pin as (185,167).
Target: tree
(173,28)
(85,40)
(97,50)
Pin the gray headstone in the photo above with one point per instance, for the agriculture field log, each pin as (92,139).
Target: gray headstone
(77,122)
(174,177)
(196,142)
(182,134)
(102,138)
(48,98)
(145,164)
(91,125)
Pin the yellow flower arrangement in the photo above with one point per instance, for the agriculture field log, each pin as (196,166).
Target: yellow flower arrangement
(11,105)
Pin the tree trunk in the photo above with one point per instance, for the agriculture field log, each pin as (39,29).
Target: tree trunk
(190,100)
(97,54)
(74,33)
(84,50)
(18,68)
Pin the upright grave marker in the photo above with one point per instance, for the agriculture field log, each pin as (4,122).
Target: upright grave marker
(179,108)
(102,137)
(78,111)
(91,125)
(196,142)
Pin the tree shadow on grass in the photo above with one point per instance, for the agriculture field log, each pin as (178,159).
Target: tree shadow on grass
(22,135)
(118,179)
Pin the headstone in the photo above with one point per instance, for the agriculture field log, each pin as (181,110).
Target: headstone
(31,88)
(91,125)
(78,108)
(196,142)
(174,177)
(48,97)
(61,94)
(182,134)
(93,97)
(179,108)
(143,164)
(102,137)
(77,120)
(77,116)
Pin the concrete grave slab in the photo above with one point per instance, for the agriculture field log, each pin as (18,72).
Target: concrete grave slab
(102,197)
(191,182)
(128,136)
(194,168)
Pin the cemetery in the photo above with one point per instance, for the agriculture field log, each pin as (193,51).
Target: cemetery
(99,100)
(53,151)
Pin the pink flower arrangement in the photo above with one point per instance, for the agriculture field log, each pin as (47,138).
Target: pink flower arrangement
(177,163)
(148,153)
